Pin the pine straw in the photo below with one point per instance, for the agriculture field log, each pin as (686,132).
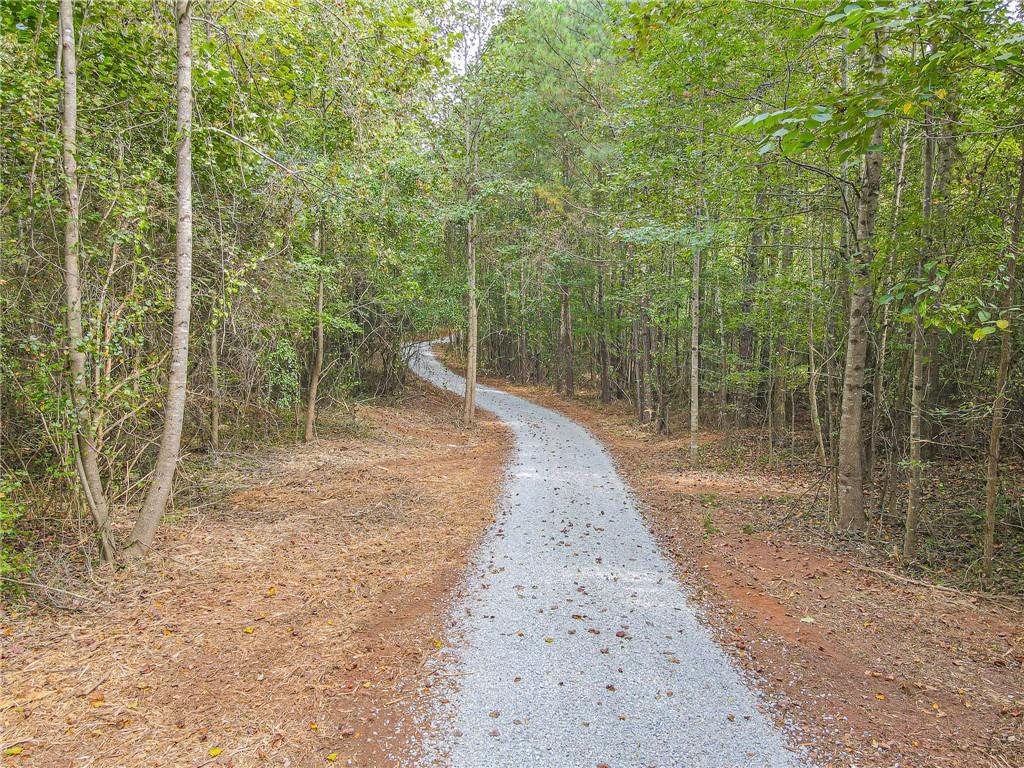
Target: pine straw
(285,624)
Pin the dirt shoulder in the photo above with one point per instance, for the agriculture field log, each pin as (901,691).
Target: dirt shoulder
(869,669)
(289,624)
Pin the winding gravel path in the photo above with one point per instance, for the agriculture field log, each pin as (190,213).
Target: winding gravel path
(576,646)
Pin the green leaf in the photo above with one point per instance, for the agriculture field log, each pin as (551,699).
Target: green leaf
(984,331)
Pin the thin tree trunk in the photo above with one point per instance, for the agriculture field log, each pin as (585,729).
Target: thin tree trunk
(850,459)
(318,357)
(638,372)
(695,356)
(999,401)
(567,342)
(747,363)
(524,366)
(85,447)
(214,387)
(916,468)
(646,362)
(174,413)
(883,346)
(723,373)
(917,381)
(606,388)
(812,368)
(469,410)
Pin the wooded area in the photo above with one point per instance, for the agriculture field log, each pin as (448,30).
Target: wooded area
(799,219)
(742,485)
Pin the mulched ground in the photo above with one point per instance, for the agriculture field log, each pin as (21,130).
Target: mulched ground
(287,624)
(872,668)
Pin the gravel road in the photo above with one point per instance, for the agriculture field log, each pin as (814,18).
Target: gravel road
(575,645)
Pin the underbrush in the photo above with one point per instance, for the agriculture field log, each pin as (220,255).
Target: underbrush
(48,553)
(950,528)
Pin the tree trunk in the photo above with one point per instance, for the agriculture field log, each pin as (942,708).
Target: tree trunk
(524,365)
(469,410)
(85,447)
(850,460)
(877,390)
(778,394)
(917,385)
(999,401)
(606,388)
(567,342)
(695,356)
(747,363)
(174,413)
(916,401)
(638,371)
(812,367)
(318,356)
(214,387)
(723,373)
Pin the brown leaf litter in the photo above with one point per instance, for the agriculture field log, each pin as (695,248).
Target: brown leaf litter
(287,625)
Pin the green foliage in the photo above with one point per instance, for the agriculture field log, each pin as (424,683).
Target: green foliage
(14,557)
(309,120)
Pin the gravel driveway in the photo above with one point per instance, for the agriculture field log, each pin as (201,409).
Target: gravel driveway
(576,647)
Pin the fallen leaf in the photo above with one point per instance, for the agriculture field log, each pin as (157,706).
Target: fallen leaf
(214,751)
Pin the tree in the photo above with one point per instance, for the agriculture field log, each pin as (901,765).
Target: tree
(144,531)
(87,460)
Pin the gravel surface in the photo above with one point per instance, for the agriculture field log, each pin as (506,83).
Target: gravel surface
(576,646)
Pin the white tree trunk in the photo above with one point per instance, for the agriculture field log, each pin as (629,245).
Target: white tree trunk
(174,413)
(87,459)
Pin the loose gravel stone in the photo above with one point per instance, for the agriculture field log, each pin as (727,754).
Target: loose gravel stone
(574,633)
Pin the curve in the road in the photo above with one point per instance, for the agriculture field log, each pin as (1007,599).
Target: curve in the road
(575,645)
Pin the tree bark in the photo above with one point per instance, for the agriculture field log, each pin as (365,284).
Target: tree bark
(606,388)
(916,467)
(85,446)
(174,413)
(851,465)
(318,356)
(695,355)
(999,400)
(214,387)
(877,389)
(917,386)
(812,368)
(469,409)
(469,402)
(747,363)
(524,366)
(567,342)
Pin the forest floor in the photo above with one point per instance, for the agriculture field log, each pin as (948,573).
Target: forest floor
(292,616)
(876,669)
(289,620)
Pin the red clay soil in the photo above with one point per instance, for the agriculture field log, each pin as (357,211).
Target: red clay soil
(288,624)
(867,667)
